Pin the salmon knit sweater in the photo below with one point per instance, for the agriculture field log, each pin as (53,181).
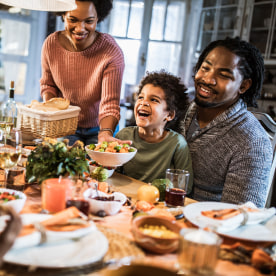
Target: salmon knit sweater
(90,79)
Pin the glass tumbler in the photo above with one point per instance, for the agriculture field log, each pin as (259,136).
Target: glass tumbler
(175,196)
(76,198)
(198,251)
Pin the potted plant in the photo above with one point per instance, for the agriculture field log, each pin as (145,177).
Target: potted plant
(53,158)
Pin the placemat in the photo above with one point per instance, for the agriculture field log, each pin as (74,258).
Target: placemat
(119,245)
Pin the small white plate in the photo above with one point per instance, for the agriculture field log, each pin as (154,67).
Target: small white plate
(52,236)
(263,232)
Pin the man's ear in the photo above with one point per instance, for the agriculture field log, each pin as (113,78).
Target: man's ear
(245,85)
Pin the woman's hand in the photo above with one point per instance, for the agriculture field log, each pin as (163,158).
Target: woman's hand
(12,229)
(105,136)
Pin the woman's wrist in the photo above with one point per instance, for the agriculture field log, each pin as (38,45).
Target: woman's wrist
(107,130)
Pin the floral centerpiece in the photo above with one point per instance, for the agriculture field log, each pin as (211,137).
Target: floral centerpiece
(53,158)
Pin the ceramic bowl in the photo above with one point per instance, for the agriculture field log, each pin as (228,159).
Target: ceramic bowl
(109,207)
(16,204)
(110,159)
(92,167)
(153,244)
(138,270)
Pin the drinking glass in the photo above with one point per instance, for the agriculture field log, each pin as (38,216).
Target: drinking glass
(10,150)
(6,126)
(76,198)
(198,251)
(175,195)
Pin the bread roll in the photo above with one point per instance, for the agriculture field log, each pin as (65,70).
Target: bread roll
(53,104)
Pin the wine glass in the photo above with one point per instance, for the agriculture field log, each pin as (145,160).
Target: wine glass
(10,150)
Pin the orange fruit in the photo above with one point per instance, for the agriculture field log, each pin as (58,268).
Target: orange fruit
(148,193)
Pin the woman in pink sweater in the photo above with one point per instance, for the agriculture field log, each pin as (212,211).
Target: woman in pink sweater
(85,67)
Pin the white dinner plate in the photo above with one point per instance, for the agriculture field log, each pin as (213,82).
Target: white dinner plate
(89,247)
(263,232)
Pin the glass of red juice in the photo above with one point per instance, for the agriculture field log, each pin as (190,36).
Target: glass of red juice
(76,198)
(175,196)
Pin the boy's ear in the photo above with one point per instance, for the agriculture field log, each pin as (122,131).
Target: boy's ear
(170,116)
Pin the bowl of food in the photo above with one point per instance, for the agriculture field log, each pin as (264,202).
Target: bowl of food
(103,204)
(110,154)
(12,198)
(156,234)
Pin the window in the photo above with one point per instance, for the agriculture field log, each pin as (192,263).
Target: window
(150,34)
(22,33)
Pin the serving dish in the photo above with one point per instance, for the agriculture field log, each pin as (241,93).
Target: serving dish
(16,204)
(110,159)
(109,207)
(155,244)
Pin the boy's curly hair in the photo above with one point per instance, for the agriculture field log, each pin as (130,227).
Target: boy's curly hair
(174,89)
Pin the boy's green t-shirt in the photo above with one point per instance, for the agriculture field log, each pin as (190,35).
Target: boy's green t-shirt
(152,159)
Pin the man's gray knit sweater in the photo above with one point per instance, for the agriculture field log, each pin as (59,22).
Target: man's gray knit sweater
(231,157)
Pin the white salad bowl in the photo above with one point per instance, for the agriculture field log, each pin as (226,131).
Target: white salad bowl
(16,204)
(110,159)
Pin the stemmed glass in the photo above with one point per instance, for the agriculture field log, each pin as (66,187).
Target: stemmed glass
(10,150)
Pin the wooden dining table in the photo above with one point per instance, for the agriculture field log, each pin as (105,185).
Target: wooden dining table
(117,228)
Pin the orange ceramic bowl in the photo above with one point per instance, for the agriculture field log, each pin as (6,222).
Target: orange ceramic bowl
(154,244)
(138,270)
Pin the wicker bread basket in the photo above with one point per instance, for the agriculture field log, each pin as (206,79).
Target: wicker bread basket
(40,124)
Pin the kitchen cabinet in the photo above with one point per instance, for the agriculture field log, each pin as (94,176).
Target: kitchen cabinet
(251,20)
(259,22)
(260,31)
(219,19)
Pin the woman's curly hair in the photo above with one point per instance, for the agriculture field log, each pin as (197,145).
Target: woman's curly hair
(251,65)
(174,89)
(103,8)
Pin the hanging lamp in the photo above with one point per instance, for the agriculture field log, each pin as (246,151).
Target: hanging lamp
(42,5)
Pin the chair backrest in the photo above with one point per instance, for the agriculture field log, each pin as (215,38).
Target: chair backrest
(270,126)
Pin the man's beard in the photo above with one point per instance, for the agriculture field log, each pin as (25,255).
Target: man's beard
(201,103)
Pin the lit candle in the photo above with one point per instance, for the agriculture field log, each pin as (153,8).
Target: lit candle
(55,192)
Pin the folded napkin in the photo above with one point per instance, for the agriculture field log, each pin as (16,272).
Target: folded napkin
(225,220)
(67,224)
(70,219)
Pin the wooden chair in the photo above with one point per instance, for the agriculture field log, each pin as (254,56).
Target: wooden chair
(270,126)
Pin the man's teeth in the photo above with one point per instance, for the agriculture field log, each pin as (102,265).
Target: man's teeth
(205,90)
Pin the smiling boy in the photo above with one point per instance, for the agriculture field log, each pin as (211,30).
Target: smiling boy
(161,99)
